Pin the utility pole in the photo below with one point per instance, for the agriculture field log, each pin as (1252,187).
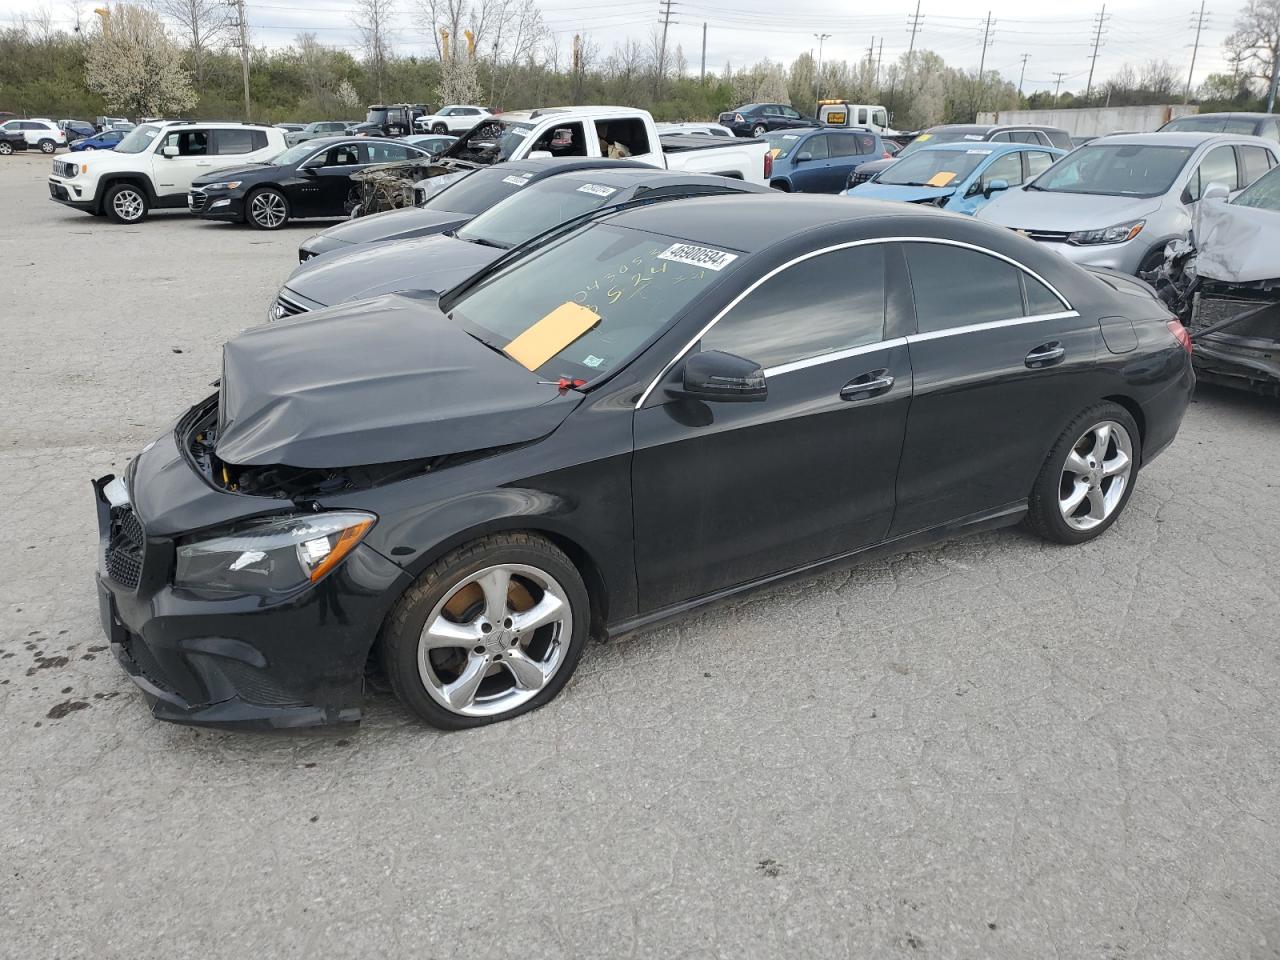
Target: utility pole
(664,8)
(879,57)
(871,55)
(982,65)
(1200,20)
(1057,86)
(1099,25)
(702,74)
(243,43)
(817,77)
(914,20)
(1022,75)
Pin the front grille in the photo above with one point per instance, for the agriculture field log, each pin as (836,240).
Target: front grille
(145,661)
(63,168)
(254,685)
(1207,309)
(287,308)
(1046,236)
(125,545)
(196,200)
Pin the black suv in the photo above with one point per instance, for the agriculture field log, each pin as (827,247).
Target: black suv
(11,140)
(757,119)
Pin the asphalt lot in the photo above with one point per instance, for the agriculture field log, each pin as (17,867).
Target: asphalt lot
(997,748)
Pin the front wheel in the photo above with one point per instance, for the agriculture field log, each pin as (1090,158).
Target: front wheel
(6,148)
(48,146)
(439,128)
(1088,477)
(492,630)
(125,203)
(267,209)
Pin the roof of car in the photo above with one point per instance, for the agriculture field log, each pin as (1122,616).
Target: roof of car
(988,128)
(1234,114)
(986,146)
(1172,138)
(628,177)
(739,222)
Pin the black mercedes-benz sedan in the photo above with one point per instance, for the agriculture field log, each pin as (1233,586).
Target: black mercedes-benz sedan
(311,179)
(435,262)
(451,207)
(641,414)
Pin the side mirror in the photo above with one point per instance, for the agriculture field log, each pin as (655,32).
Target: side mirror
(995,186)
(169,152)
(803,157)
(310,170)
(1217,190)
(715,376)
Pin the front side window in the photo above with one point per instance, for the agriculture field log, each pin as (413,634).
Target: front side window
(1116,170)
(1038,162)
(816,148)
(1218,166)
(563,140)
(1007,168)
(880,118)
(343,155)
(190,143)
(789,113)
(825,304)
(636,282)
(956,287)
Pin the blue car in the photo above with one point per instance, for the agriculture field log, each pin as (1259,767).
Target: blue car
(960,176)
(820,160)
(106,140)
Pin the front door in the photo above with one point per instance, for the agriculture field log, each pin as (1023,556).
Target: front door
(174,175)
(727,493)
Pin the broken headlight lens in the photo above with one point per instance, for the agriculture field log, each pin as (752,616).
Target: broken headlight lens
(273,555)
(1116,234)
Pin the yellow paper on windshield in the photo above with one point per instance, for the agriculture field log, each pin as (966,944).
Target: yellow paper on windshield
(774,152)
(559,328)
(940,179)
(924,136)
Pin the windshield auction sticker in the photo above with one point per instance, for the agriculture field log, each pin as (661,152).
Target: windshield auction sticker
(597,190)
(697,256)
(516,181)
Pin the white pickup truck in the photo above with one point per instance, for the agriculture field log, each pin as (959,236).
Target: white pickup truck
(614,132)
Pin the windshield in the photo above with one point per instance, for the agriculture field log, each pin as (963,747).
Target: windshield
(139,139)
(1115,170)
(781,144)
(520,218)
(296,153)
(637,283)
(1210,124)
(1263,193)
(478,191)
(935,168)
(939,136)
(376,116)
(513,135)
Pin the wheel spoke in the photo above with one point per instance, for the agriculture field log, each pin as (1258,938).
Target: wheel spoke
(462,691)
(446,633)
(1101,441)
(1074,498)
(1076,464)
(528,675)
(1117,464)
(1097,505)
(495,584)
(543,612)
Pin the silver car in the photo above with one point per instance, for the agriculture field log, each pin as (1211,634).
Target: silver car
(1116,201)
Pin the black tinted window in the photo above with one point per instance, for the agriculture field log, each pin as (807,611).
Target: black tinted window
(955,287)
(843,145)
(826,303)
(1040,299)
(238,141)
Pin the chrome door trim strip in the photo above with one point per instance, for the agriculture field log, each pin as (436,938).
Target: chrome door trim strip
(989,325)
(836,355)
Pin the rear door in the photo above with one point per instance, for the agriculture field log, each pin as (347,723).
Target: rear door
(1000,364)
(727,493)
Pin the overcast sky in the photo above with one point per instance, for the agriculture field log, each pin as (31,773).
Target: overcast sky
(742,31)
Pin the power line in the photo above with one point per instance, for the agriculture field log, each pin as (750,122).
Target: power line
(1200,20)
(1099,25)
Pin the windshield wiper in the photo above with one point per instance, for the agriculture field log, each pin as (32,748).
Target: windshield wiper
(492,346)
(1032,186)
(482,242)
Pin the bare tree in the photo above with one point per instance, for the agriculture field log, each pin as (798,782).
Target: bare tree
(1255,43)
(200,23)
(315,66)
(373,21)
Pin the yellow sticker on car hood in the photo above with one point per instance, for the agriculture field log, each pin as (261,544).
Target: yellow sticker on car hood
(559,328)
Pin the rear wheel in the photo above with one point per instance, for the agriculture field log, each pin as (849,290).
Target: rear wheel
(759,130)
(492,630)
(48,146)
(125,203)
(1088,477)
(439,128)
(267,209)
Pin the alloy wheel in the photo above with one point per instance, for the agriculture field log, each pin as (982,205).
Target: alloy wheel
(495,640)
(267,210)
(128,205)
(47,146)
(6,148)
(758,131)
(1096,475)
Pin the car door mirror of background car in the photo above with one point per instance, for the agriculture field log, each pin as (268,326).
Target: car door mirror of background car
(716,376)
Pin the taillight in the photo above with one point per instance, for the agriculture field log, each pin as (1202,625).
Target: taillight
(768,164)
(1180,334)
(737,118)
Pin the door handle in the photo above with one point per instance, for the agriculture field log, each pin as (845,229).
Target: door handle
(867,385)
(204,163)
(1046,355)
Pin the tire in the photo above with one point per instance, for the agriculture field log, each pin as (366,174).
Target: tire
(88,146)
(759,130)
(470,662)
(781,185)
(1077,472)
(439,128)
(125,203)
(1151,261)
(47,146)
(6,148)
(266,209)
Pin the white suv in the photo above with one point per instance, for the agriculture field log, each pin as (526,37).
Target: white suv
(452,119)
(155,164)
(44,134)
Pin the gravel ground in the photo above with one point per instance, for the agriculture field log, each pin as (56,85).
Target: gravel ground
(994,749)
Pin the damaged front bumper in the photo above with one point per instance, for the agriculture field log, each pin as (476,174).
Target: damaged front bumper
(1237,337)
(230,660)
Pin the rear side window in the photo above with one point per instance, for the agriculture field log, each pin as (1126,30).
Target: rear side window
(822,305)
(1007,168)
(1040,299)
(956,287)
(843,145)
(1255,161)
(389,152)
(226,142)
(622,138)
(1038,162)
(1002,138)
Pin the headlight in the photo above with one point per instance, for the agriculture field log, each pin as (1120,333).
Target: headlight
(224,185)
(1117,234)
(271,556)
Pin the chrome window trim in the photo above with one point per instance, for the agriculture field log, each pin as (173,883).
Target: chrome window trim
(821,358)
(1070,311)
(989,325)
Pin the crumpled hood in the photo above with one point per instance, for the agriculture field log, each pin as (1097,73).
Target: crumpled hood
(396,225)
(887,191)
(423,263)
(378,381)
(1236,244)
(1043,210)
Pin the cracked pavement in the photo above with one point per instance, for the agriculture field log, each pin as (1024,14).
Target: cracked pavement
(993,749)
